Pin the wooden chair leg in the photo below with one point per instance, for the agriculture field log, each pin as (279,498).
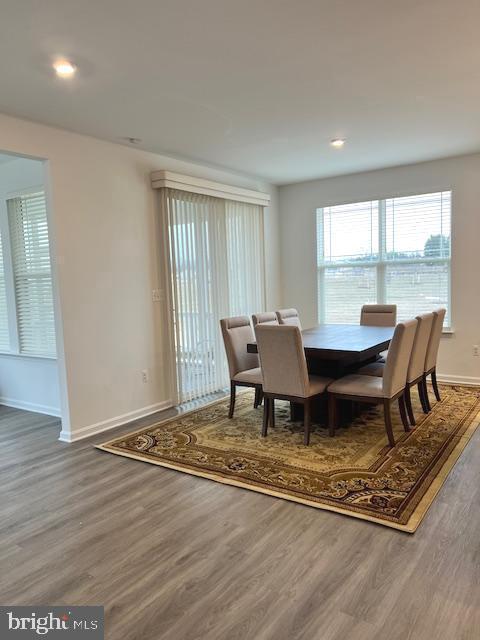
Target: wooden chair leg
(256,402)
(425,395)
(306,422)
(403,413)
(421,395)
(408,402)
(332,414)
(233,391)
(435,385)
(266,409)
(272,412)
(388,422)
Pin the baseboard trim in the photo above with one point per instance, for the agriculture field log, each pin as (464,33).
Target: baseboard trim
(467,381)
(111,423)
(31,406)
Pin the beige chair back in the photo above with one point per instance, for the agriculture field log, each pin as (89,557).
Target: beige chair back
(289,316)
(434,342)
(282,359)
(237,333)
(378,315)
(398,358)
(420,344)
(269,317)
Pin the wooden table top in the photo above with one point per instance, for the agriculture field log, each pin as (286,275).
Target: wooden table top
(335,341)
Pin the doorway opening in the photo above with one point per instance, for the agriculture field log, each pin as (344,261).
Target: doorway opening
(29,375)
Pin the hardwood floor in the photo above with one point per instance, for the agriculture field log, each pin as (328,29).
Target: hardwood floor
(176,557)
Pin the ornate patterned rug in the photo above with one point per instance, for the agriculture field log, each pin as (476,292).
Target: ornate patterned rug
(355,473)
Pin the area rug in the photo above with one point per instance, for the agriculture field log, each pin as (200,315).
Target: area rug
(355,473)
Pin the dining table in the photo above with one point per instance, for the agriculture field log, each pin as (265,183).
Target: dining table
(335,350)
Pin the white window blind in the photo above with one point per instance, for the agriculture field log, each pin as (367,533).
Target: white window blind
(215,254)
(27,218)
(395,250)
(4,331)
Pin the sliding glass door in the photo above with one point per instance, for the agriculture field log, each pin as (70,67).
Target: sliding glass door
(216,269)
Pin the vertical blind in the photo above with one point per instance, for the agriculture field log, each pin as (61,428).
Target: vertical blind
(27,219)
(395,250)
(216,263)
(4,331)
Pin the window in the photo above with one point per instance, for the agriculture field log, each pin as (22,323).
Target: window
(395,250)
(4,332)
(32,279)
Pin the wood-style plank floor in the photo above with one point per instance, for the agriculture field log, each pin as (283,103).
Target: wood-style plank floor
(175,557)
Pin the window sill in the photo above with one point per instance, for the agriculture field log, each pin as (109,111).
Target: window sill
(28,356)
(448,331)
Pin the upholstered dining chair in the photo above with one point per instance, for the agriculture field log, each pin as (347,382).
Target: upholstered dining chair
(285,374)
(289,316)
(415,366)
(432,354)
(379,390)
(268,317)
(243,366)
(378,315)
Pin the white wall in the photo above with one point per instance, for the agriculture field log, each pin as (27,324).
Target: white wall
(26,382)
(298,203)
(103,231)
(30,383)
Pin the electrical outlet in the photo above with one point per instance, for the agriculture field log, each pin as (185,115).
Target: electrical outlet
(145,375)
(476,350)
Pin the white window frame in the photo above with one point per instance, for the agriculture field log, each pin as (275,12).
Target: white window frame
(381,264)
(10,278)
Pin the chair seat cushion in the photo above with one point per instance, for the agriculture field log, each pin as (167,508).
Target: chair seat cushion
(358,385)
(318,384)
(372,369)
(252,376)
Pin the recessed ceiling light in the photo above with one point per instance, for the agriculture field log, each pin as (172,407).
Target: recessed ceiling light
(337,143)
(64,68)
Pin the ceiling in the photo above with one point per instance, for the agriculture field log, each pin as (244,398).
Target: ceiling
(258,86)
